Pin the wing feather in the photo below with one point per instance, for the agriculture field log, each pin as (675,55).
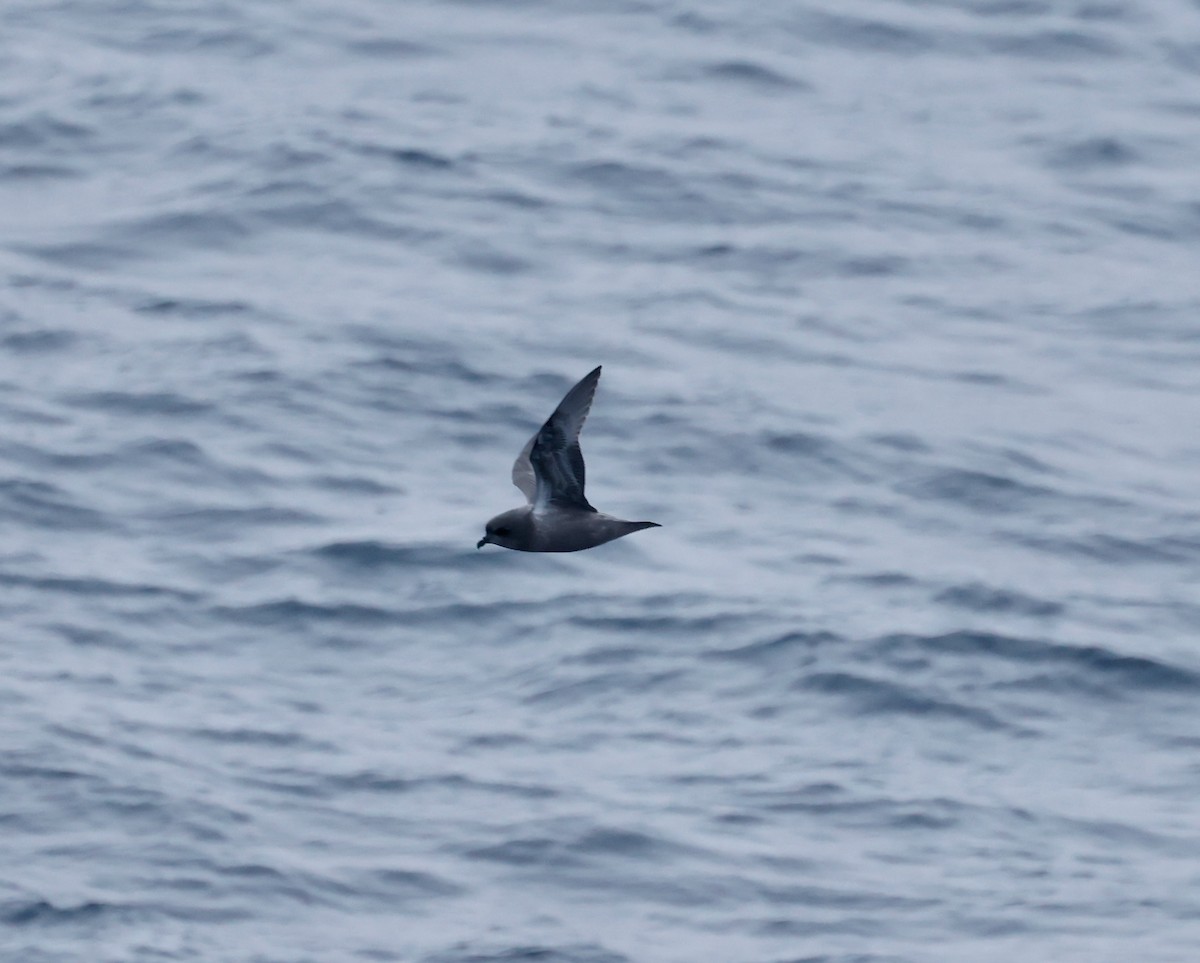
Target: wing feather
(522,473)
(550,467)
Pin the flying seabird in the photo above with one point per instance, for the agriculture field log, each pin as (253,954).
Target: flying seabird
(549,471)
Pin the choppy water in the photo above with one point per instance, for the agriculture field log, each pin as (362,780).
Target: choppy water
(899,307)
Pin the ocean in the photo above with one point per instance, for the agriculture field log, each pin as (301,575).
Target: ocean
(898,303)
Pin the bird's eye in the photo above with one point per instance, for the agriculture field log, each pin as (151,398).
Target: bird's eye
(501,531)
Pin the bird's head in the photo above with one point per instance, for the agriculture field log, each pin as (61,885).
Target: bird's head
(511,529)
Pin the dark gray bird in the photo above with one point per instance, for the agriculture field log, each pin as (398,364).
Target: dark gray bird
(549,471)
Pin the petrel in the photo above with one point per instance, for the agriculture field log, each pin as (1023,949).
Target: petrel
(549,471)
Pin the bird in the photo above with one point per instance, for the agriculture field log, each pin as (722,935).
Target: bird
(549,472)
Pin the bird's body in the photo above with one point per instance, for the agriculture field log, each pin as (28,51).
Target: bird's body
(550,472)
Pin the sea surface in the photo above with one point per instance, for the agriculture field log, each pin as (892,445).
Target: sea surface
(898,303)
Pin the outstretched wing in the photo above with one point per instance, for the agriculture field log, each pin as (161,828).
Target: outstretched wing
(550,466)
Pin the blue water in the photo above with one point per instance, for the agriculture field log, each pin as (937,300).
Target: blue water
(899,310)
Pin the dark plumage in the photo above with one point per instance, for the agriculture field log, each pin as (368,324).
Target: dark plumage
(550,472)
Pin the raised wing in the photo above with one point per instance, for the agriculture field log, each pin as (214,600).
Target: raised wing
(523,476)
(550,466)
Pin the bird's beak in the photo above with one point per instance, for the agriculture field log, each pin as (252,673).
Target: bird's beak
(482,542)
